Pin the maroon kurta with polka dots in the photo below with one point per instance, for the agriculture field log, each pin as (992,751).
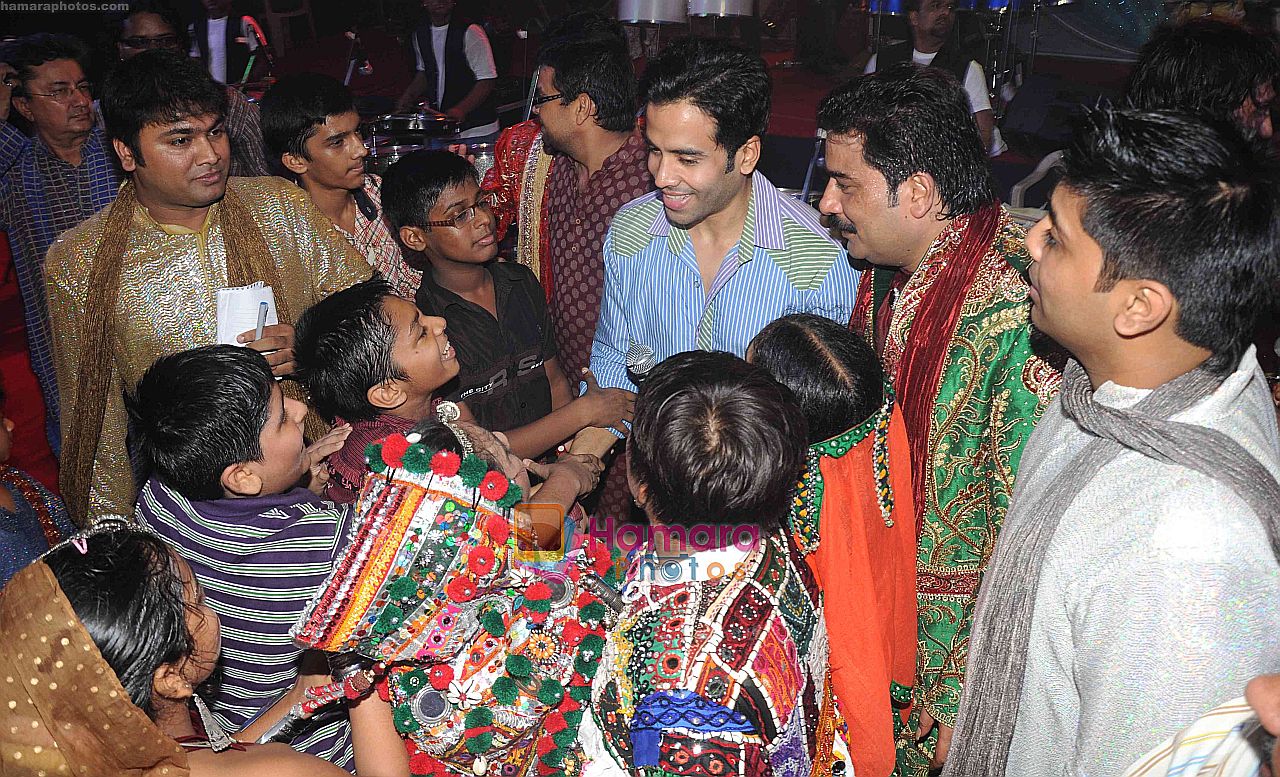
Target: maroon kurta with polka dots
(577,220)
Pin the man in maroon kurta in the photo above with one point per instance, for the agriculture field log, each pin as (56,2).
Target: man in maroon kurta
(560,179)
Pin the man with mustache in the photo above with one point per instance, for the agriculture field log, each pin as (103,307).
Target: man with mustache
(946,308)
(717,252)
(62,176)
(140,280)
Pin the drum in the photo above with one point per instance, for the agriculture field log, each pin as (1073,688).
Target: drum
(889,7)
(653,11)
(385,155)
(414,125)
(721,8)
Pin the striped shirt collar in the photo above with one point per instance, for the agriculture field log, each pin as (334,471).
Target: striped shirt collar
(762,228)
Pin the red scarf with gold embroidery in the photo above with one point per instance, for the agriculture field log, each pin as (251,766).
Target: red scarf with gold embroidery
(918,374)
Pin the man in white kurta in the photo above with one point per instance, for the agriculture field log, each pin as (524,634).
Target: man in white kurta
(1159,597)
(1136,579)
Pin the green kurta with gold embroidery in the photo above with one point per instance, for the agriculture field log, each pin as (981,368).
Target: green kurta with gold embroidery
(992,391)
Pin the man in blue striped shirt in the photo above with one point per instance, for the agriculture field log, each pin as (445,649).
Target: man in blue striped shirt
(717,252)
(50,183)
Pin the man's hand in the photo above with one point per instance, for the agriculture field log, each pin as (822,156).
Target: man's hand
(944,738)
(579,471)
(461,150)
(320,450)
(276,344)
(455,114)
(605,407)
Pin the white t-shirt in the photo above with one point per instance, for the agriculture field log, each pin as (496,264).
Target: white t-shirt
(216,40)
(975,85)
(479,56)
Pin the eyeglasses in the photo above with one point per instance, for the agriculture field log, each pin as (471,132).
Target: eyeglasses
(546,98)
(464,216)
(63,93)
(157,42)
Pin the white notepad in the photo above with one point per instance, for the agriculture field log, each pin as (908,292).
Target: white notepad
(238,310)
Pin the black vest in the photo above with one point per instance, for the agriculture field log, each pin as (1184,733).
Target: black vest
(948,58)
(459,78)
(237,52)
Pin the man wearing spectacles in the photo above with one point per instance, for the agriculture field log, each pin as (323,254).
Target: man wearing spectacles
(62,177)
(156,24)
(587,160)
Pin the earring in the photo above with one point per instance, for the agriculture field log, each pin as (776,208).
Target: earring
(218,739)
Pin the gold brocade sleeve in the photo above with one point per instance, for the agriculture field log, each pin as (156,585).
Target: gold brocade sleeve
(66,271)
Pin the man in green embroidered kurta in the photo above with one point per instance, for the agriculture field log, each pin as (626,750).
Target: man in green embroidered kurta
(947,310)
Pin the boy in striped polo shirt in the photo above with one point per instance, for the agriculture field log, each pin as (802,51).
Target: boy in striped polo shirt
(227,452)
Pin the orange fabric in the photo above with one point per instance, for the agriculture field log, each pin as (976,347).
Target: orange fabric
(867,573)
(62,710)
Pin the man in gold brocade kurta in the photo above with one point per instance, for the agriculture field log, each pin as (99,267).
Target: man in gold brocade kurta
(139,280)
(947,311)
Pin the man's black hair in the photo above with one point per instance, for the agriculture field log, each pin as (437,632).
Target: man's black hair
(125,589)
(296,106)
(914,120)
(412,186)
(197,412)
(167,11)
(716,441)
(833,373)
(589,54)
(1190,204)
(1205,66)
(157,87)
(726,81)
(30,52)
(342,347)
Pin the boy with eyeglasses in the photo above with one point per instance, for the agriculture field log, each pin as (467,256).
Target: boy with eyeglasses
(509,376)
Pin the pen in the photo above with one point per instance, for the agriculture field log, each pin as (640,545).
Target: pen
(262,320)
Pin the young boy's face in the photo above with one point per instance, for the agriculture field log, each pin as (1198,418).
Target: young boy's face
(335,154)
(472,242)
(421,349)
(284,459)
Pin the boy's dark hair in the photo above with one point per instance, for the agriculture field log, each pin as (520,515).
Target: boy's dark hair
(157,87)
(832,372)
(1205,66)
(412,186)
(723,80)
(342,346)
(589,54)
(294,108)
(716,441)
(125,589)
(197,412)
(30,52)
(915,120)
(1187,203)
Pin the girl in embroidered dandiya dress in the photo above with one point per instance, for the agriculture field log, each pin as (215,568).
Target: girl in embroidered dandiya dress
(852,519)
(488,657)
